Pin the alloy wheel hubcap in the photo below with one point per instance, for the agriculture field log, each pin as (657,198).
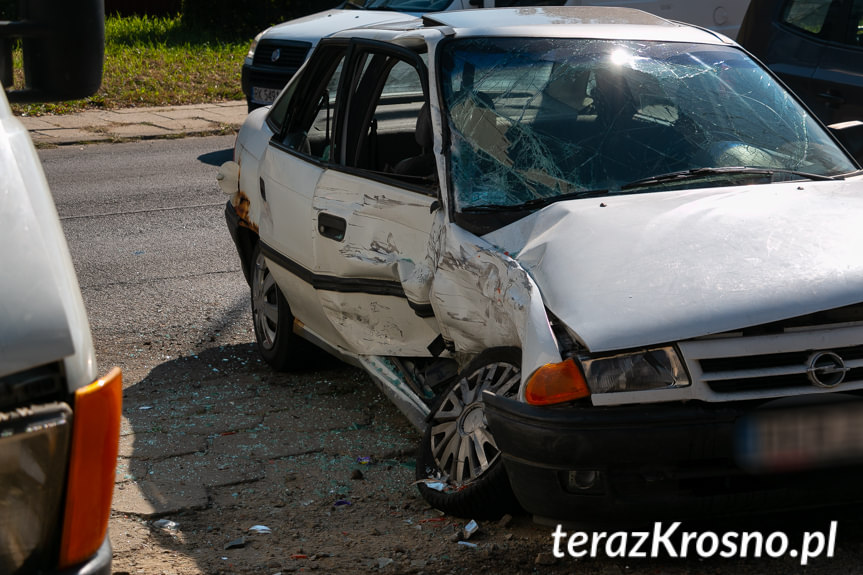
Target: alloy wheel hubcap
(265,303)
(462,447)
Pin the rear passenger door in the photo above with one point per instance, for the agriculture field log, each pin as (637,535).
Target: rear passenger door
(374,206)
(303,120)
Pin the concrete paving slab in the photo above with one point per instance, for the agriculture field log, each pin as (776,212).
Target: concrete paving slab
(66,136)
(233,114)
(155,498)
(135,123)
(207,470)
(185,125)
(131,131)
(265,446)
(127,117)
(182,113)
(79,121)
(152,445)
(33,123)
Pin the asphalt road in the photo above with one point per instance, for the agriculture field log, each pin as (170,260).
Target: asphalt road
(167,302)
(145,226)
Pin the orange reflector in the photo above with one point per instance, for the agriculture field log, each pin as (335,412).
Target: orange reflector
(93,459)
(556,383)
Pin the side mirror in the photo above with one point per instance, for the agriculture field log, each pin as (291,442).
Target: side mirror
(477,3)
(850,135)
(63,44)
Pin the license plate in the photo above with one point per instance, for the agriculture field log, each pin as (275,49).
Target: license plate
(264,96)
(797,439)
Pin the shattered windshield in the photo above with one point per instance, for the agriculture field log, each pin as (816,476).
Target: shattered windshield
(535,120)
(400,5)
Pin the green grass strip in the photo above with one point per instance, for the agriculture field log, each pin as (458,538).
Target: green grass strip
(155,62)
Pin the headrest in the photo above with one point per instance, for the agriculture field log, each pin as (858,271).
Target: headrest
(424,130)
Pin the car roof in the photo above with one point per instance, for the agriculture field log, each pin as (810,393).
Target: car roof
(600,22)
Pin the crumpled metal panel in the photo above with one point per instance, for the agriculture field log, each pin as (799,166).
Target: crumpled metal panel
(634,270)
(483,298)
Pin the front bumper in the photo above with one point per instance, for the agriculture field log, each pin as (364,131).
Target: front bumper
(274,63)
(270,80)
(669,461)
(242,241)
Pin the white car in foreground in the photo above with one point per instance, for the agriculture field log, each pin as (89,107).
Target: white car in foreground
(59,422)
(600,258)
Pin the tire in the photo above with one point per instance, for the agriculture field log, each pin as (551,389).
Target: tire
(280,347)
(476,484)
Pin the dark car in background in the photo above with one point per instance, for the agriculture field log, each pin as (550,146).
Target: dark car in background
(816,47)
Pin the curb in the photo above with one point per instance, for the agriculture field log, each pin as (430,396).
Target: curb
(129,124)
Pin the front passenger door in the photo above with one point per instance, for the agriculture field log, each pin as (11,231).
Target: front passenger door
(374,207)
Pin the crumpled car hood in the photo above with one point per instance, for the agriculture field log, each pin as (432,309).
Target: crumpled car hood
(636,270)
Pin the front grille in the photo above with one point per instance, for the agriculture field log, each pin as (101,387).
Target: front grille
(288,55)
(771,371)
(37,385)
(776,362)
(828,318)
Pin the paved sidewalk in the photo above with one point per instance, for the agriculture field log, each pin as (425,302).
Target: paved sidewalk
(136,123)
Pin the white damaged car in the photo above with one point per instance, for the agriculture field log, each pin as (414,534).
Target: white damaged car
(603,260)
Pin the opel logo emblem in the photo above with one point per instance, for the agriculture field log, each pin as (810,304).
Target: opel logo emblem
(826,369)
(277,53)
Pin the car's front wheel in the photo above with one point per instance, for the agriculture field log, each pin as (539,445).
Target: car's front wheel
(277,343)
(459,467)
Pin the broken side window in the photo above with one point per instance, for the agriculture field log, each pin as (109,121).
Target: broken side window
(310,123)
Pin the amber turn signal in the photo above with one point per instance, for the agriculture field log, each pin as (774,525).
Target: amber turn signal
(556,383)
(93,460)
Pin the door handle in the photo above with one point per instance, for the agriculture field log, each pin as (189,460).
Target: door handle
(332,227)
(833,98)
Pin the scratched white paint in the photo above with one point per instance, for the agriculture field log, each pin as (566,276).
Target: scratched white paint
(378,325)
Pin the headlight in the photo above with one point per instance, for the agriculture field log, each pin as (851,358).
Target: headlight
(658,368)
(34,448)
(251,54)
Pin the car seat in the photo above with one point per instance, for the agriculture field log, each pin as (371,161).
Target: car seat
(422,165)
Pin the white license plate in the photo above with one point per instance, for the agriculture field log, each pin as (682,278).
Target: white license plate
(264,96)
(796,439)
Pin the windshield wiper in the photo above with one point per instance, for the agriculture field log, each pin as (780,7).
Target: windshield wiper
(535,203)
(696,173)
